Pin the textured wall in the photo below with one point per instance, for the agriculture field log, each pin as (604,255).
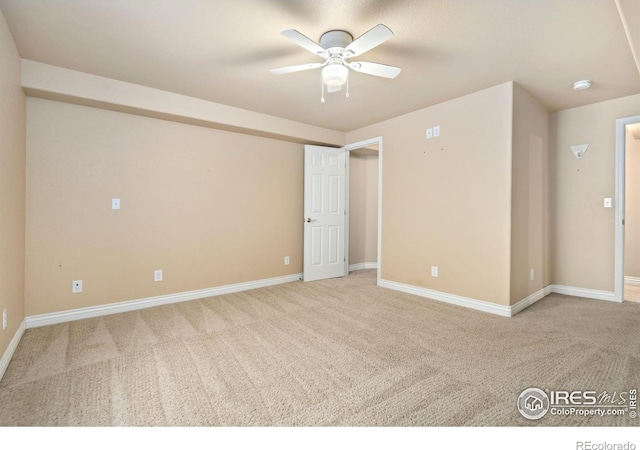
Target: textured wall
(632,212)
(530,234)
(446,201)
(208,207)
(363,208)
(583,231)
(12,186)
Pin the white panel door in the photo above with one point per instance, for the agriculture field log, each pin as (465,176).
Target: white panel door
(324,212)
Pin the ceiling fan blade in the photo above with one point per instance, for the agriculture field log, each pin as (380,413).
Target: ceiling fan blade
(297,68)
(379,70)
(305,42)
(372,38)
(333,88)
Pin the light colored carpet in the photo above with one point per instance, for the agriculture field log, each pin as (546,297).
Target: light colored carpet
(631,293)
(327,353)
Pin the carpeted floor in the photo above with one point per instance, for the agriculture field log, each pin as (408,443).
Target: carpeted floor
(631,293)
(327,353)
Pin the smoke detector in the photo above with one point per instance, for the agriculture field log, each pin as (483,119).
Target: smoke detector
(581,85)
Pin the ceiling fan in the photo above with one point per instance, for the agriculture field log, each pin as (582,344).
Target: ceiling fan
(336,47)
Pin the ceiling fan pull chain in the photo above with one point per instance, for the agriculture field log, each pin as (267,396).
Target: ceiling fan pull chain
(322,89)
(347,87)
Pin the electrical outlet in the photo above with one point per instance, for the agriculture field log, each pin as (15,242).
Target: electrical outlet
(157,275)
(434,271)
(286,260)
(76,286)
(4,319)
(436,131)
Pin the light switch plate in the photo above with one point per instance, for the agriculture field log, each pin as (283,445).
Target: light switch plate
(115,203)
(608,203)
(429,133)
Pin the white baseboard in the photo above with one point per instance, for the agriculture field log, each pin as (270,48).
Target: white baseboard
(633,281)
(530,300)
(362,266)
(8,354)
(505,311)
(132,305)
(467,302)
(582,292)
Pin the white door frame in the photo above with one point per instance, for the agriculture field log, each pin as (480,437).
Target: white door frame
(620,205)
(356,145)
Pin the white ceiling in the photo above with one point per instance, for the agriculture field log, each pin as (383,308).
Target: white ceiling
(222,50)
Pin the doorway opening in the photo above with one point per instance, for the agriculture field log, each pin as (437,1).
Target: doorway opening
(627,226)
(364,206)
(327,212)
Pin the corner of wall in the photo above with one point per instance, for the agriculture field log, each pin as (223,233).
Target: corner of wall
(530,197)
(12,193)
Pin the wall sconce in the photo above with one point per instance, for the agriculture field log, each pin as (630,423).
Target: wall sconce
(579,150)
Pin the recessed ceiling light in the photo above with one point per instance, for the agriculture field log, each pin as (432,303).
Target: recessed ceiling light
(581,85)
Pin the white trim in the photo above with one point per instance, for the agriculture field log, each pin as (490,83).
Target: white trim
(618,281)
(365,143)
(132,305)
(472,303)
(379,277)
(8,353)
(362,266)
(530,300)
(347,210)
(500,310)
(582,292)
(633,281)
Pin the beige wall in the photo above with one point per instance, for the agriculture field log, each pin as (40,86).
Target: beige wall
(530,196)
(12,186)
(371,212)
(476,194)
(57,83)
(208,207)
(446,201)
(363,208)
(582,229)
(632,211)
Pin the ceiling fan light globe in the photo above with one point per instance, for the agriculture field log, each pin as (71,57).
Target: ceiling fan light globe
(335,75)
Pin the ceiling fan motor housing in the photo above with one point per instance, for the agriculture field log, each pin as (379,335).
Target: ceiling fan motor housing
(335,41)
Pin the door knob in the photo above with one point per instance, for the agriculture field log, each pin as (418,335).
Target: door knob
(309,220)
